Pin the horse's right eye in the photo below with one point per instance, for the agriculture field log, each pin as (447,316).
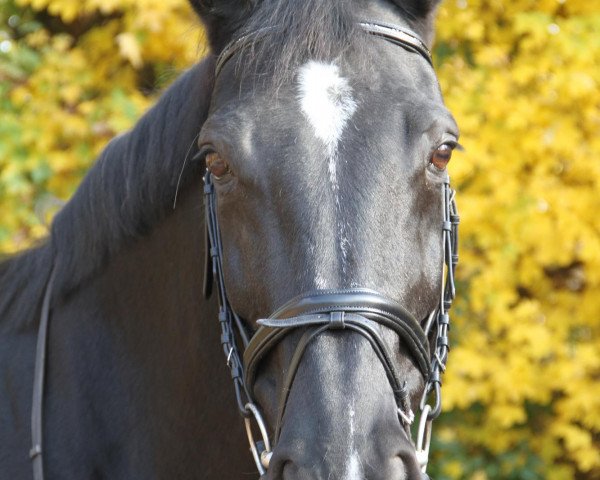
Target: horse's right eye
(216,165)
(442,156)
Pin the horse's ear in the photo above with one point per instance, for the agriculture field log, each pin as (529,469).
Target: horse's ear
(421,13)
(418,9)
(222,18)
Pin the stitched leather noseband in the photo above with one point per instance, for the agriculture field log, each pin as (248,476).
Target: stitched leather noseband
(358,310)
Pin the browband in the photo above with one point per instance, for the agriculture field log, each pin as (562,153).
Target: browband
(403,37)
(400,36)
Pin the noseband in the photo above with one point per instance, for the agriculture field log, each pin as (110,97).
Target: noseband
(358,310)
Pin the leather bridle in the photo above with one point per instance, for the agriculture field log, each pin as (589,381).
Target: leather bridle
(361,311)
(358,310)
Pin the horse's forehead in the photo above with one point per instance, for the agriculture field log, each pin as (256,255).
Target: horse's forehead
(324,112)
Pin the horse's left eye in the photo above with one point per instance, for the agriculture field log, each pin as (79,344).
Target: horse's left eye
(216,165)
(442,156)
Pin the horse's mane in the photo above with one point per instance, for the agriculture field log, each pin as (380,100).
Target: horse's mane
(129,189)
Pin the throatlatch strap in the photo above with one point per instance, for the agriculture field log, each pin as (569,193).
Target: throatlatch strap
(37,428)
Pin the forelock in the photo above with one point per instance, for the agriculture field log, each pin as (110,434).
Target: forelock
(295,32)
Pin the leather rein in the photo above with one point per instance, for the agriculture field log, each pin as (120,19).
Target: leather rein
(359,310)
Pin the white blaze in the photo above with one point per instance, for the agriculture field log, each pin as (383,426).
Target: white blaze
(353,470)
(353,466)
(327,103)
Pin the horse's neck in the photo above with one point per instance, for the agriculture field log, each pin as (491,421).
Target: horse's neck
(135,373)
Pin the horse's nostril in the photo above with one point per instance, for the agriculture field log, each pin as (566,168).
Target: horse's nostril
(280,468)
(288,471)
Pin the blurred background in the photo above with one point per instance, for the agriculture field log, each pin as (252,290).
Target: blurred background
(522,391)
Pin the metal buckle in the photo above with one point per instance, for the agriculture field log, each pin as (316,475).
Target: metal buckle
(424,438)
(262,457)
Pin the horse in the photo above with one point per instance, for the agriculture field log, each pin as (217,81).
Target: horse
(285,203)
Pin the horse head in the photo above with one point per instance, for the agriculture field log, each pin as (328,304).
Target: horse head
(329,215)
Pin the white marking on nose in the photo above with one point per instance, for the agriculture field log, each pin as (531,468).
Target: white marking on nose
(326,101)
(353,464)
(320,281)
(353,470)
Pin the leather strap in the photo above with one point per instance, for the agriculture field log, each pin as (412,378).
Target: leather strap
(362,311)
(403,37)
(368,303)
(208,265)
(37,429)
(400,36)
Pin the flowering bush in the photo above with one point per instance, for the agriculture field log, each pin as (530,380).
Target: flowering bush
(74,73)
(522,387)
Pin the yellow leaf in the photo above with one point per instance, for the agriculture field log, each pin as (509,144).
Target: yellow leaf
(130,48)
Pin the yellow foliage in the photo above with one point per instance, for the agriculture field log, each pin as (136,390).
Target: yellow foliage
(71,89)
(522,391)
(130,48)
(525,88)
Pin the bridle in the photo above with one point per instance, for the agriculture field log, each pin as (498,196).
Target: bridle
(359,310)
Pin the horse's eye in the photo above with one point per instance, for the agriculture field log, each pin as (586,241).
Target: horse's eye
(442,156)
(216,165)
